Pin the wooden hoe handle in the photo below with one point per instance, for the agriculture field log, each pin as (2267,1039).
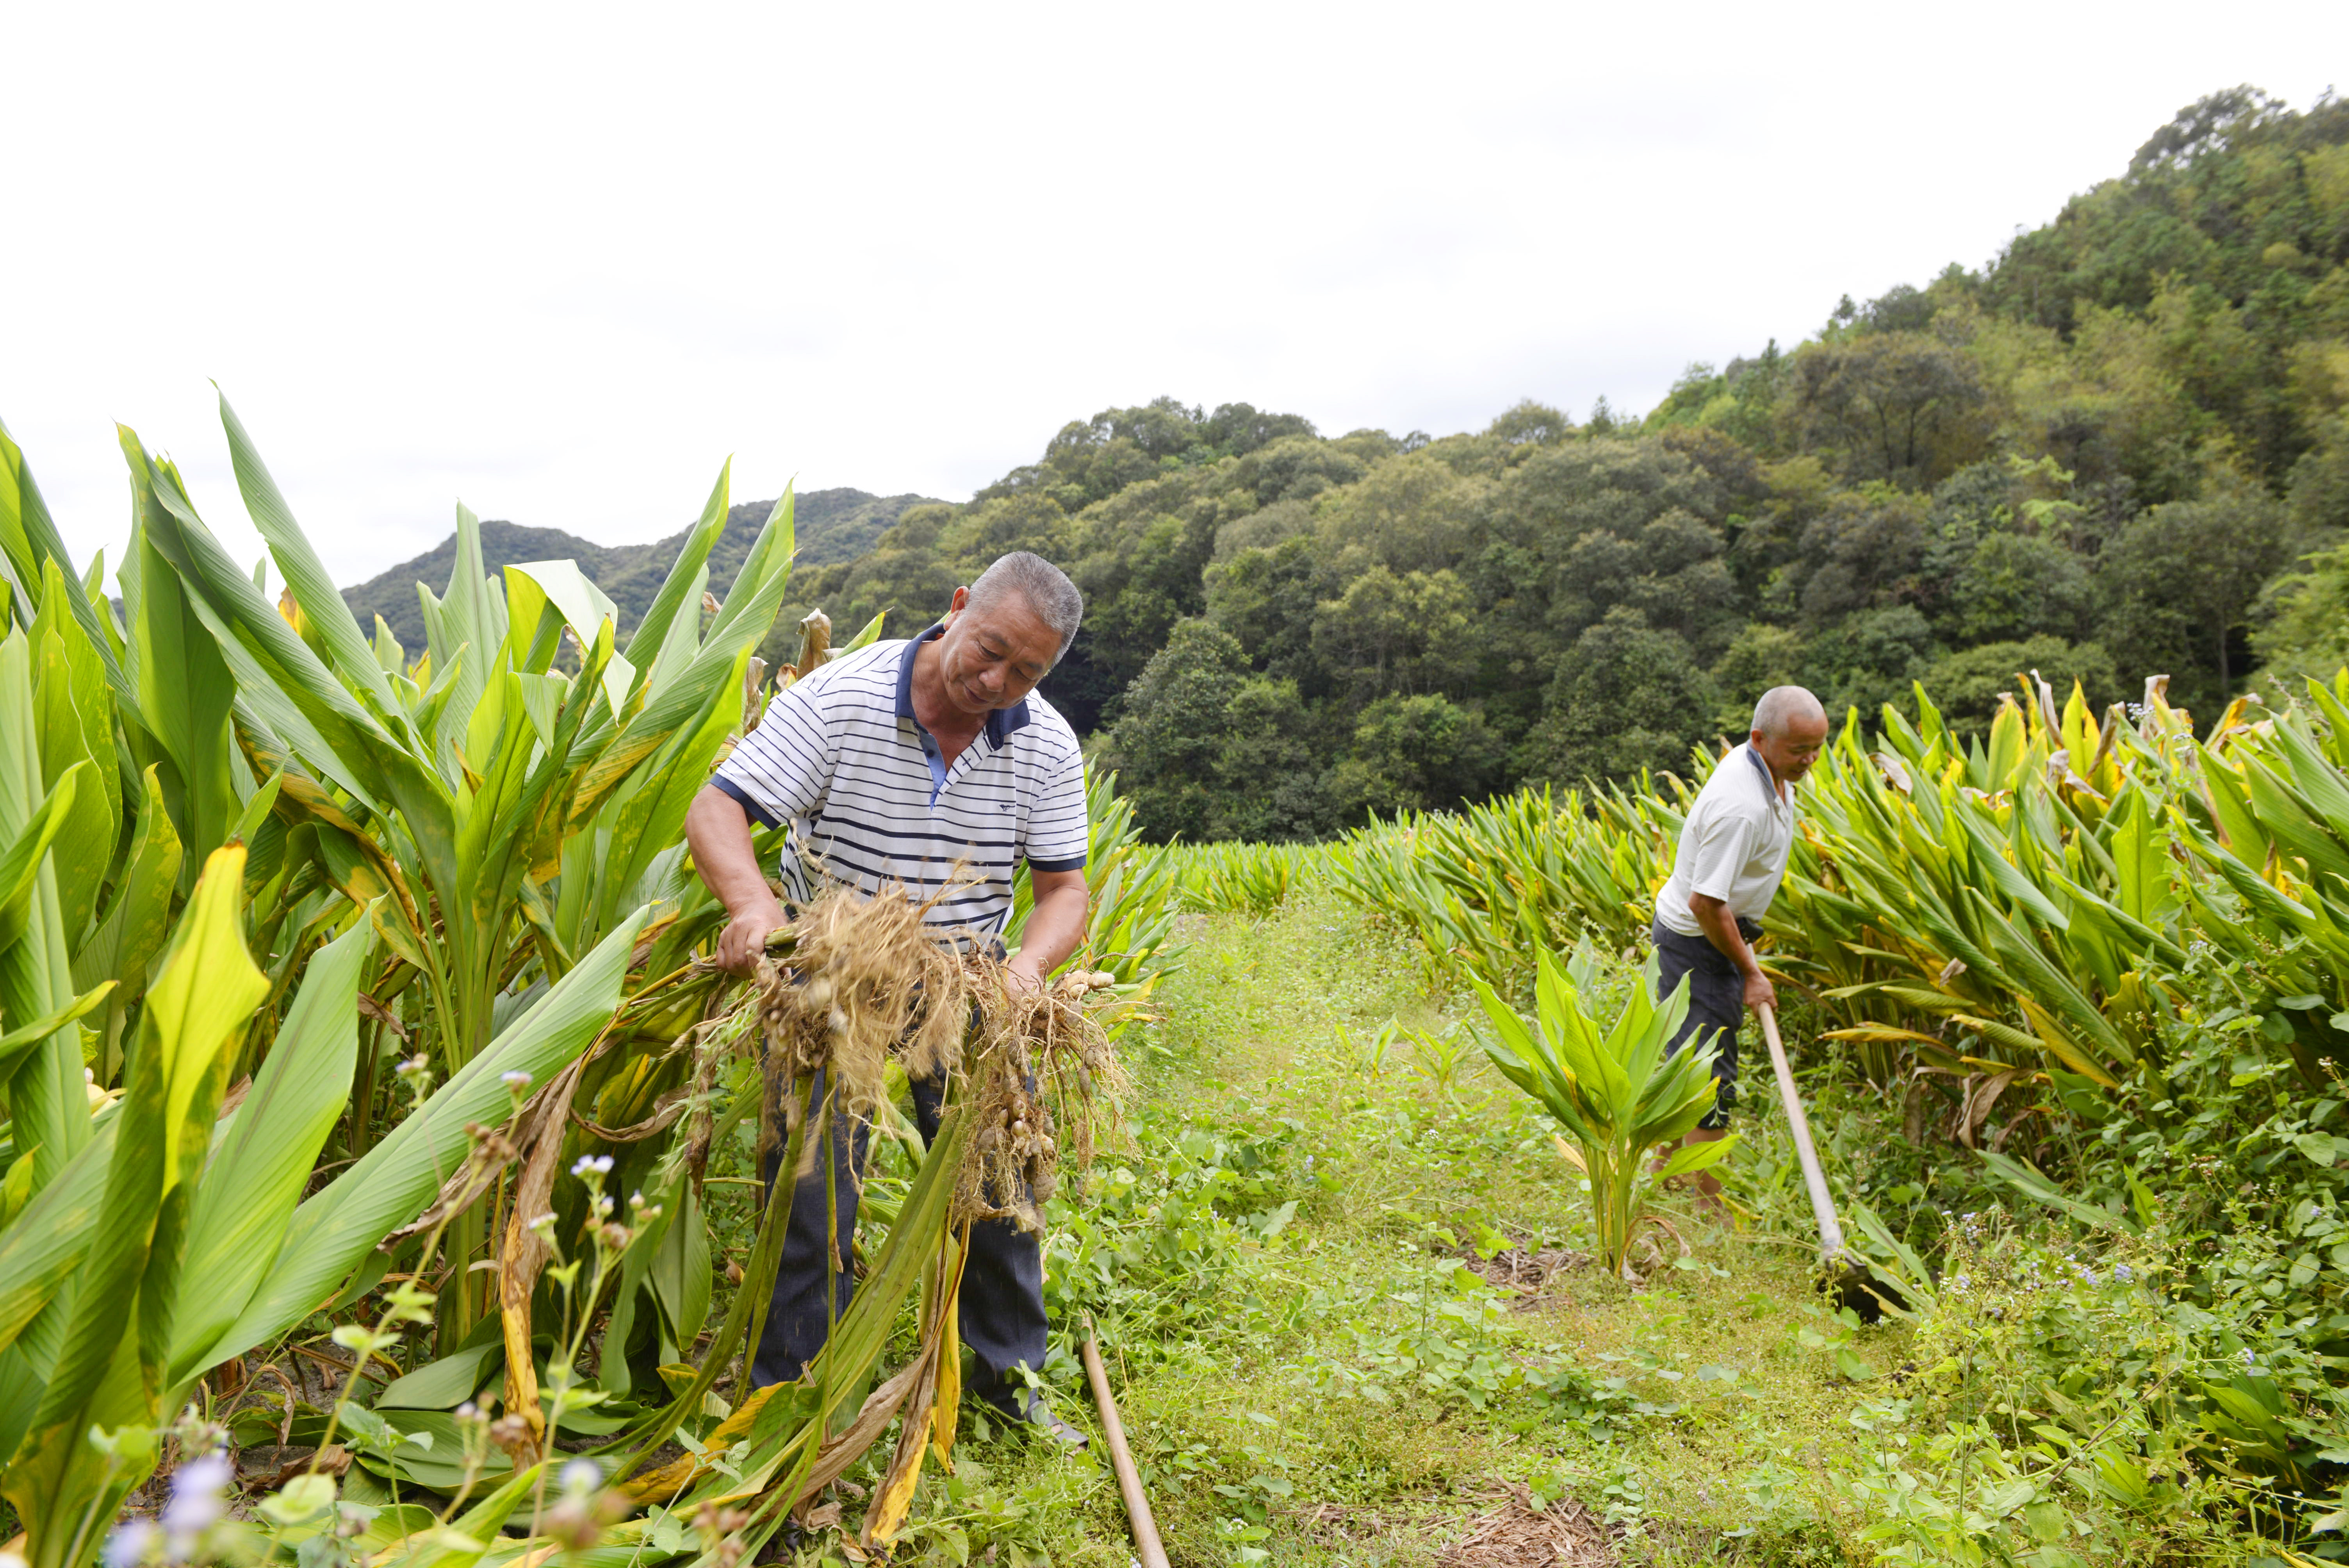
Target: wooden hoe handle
(1821,1204)
(1146,1544)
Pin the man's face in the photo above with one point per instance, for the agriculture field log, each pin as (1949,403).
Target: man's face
(993,655)
(1790,755)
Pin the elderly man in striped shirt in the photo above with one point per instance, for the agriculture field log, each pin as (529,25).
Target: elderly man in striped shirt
(926,764)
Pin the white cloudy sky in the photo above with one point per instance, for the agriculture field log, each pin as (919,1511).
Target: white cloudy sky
(559,261)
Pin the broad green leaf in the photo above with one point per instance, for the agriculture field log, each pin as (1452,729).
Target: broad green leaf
(2032,1183)
(49,1111)
(2140,853)
(360,749)
(676,651)
(682,1270)
(135,924)
(278,682)
(583,606)
(18,558)
(681,592)
(1693,1157)
(78,721)
(27,853)
(2011,881)
(107,1372)
(85,844)
(323,606)
(646,821)
(184,688)
(389,657)
(865,638)
(333,1231)
(769,563)
(445,1383)
(467,619)
(2052,989)
(2289,822)
(28,540)
(2229,801)
(1894,1259)
(21,1039)
(203,996)
(258,1175)
(52,1234)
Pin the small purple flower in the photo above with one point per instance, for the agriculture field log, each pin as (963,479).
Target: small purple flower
(196,1505)
(126,1547)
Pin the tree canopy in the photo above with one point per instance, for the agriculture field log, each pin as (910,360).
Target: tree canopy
(2110,453)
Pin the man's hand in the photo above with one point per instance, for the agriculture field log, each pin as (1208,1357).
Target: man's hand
(1024,975)
(1720,927)
(1056,925)
(719,834)
(744,940)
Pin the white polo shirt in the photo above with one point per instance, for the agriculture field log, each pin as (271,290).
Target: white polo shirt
(872,803)
(1733,846)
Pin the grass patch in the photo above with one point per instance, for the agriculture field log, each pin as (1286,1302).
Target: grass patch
(1308,1252)
(1287,1255)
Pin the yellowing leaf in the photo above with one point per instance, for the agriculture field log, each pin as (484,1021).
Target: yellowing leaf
(206,993)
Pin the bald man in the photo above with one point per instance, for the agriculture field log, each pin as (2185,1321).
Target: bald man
(1732,854)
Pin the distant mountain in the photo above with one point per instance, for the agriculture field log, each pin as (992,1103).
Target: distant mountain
(832,526)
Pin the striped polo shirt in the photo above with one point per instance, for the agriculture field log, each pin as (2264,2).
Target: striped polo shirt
(871,802)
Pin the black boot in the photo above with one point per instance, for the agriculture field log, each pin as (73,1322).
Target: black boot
(1029,1411)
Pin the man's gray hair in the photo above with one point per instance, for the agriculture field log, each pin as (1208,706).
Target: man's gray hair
(1781,704)
(1041,585)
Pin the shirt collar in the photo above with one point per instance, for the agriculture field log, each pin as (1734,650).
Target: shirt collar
(1769,781)
(1002,723)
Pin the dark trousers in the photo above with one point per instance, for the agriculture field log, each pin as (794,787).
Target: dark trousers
(1716,1009)
(1001,1314)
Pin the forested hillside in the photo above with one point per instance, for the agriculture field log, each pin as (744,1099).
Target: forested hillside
(2102,456)
(831,525)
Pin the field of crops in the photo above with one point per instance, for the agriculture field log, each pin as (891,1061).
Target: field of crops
(2091,975)
(361,1084)
(2097,972)
(370,1119)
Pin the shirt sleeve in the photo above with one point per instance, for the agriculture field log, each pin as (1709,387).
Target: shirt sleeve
(1721,855)
(782,769)
(1057,830)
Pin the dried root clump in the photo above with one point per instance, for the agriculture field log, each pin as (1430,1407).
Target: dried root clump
(1030,1053)
(856,979)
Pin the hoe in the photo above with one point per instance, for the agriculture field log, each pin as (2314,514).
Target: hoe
(1842,1270)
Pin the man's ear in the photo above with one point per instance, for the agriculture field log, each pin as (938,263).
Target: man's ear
(955,605)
